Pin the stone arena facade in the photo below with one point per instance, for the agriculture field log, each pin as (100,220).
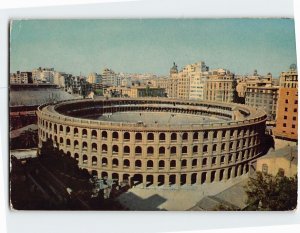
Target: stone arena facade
(153,154)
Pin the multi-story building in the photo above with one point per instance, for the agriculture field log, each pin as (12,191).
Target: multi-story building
(263,97)
(254,80)
(287,110)
(94,78)
(21,78)
(219,86)
(43,75)
(135,92)
(110,78)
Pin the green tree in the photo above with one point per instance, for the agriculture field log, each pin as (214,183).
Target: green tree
(272,193)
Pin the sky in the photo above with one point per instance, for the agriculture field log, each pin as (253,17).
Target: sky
(152,45)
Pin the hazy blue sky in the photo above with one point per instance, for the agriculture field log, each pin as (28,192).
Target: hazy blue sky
(138,46)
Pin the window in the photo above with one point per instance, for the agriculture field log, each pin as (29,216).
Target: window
(293,126)
(294,118)
(265,168)
(286,101)
(284,124)
(295,109)
(296,101)
(285,117)
(214,160)
(285,109)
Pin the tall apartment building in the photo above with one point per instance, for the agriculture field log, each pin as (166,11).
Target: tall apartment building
(287,110)
(264,97)
(219,86)
(110,78)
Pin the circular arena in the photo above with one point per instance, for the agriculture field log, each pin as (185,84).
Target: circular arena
(153,142)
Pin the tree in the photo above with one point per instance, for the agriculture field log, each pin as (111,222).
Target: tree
(272,193)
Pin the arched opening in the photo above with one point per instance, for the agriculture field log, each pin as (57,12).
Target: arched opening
(68,154)
(161,180)
(85,159)
(126,163)
(94,173)
(185,136)
(173,137)
(104,135)
(223,147)
(204,161)
(137,179)
(104,175)
(195,149)
(115,162)
(76,144)
(194,163)
(76,131)
(94,160)
(104,148)
(214,148)
(162,137)
(115,177)
(115,136)
(61,128)
(126,150)
(221,175)
(223,133)
(138,137)
(55,128)
(194,178)
(184,150)
(68,142)
(162,150)
(182,179)
(150,137)
(205,149)
(173,150)
(94,146)
(94,134)
(68,129)
(203,177)
(150,150)
(127,136)
(138,150)
(84,133)
(150,164)
(115,149)
(213,160)
(205,135)
(61,140)
(215,135)
(183,164)
(161,164)
(84,146)
(195,136)
(222,160)
(104,162)
(173,164)
(126,178)
(149,180)
(76,156)
(138,164)
(172,179)
(212,176)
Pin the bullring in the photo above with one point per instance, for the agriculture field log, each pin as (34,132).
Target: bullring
(155,142)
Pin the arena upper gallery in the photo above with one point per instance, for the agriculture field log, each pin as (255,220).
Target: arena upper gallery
(155,141)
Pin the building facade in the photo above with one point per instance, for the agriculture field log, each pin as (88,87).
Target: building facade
(263,97)
(287,110)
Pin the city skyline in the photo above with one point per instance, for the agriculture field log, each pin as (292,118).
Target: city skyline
(152,45)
